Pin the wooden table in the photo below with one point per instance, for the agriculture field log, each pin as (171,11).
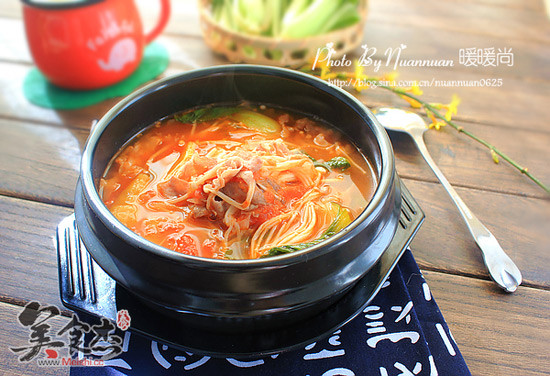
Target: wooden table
(498,333)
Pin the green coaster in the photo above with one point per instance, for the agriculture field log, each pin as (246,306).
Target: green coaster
(39,91)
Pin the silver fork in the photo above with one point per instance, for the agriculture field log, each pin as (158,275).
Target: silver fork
(84,285)
(501,268)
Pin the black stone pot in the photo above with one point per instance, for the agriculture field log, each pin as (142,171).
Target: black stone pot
(238,295)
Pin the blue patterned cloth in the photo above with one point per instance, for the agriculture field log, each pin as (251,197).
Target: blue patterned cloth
(400,333)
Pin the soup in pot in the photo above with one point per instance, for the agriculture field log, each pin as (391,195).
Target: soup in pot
(237,182)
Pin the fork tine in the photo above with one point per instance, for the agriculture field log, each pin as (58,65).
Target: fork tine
(84,286)
(79,268)
(90,275)
(67,240)
(409,205)
(83,273)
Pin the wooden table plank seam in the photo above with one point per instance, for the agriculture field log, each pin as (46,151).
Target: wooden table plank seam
(542,196)
(480,33)
(460,119)
(484,277)
(23,119)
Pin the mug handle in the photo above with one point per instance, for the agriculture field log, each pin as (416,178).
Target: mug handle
(161,24)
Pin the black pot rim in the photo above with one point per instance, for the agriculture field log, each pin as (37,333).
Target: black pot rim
(387,172)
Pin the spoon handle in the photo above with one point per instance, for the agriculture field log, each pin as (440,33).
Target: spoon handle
(501,268)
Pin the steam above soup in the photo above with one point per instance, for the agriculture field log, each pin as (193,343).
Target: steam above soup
(237,182)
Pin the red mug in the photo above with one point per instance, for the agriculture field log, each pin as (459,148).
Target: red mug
(88,44)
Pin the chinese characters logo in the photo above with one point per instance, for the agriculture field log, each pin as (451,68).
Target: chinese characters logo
(102,343)
(485,57)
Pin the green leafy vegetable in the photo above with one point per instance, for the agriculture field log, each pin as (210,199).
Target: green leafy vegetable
(345,16)
(249,119)
(190,117)
(296,247)
(228,254)
(343,218)
(340,163)
(257,121)
(285,18)
(309,156)
(205,114)
(311,20)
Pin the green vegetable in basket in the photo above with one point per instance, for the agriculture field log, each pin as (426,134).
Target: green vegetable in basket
(286,18)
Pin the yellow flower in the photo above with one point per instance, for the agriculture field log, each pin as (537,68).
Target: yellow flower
(359,71)
(323,67)
(325,72)
(412,102)
(359,78)
(389,78)
(414,90)
(495,156)
(436,123)
(452,108)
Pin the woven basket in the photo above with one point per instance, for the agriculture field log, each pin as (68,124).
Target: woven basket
(242,48)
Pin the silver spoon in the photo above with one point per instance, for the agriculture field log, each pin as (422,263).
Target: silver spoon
(501,268)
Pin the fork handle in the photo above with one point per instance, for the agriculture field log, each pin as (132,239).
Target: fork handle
(501,268)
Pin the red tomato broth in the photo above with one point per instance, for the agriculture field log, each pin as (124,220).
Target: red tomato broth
(146,181)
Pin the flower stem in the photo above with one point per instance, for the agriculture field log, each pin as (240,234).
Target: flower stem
(460,129)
